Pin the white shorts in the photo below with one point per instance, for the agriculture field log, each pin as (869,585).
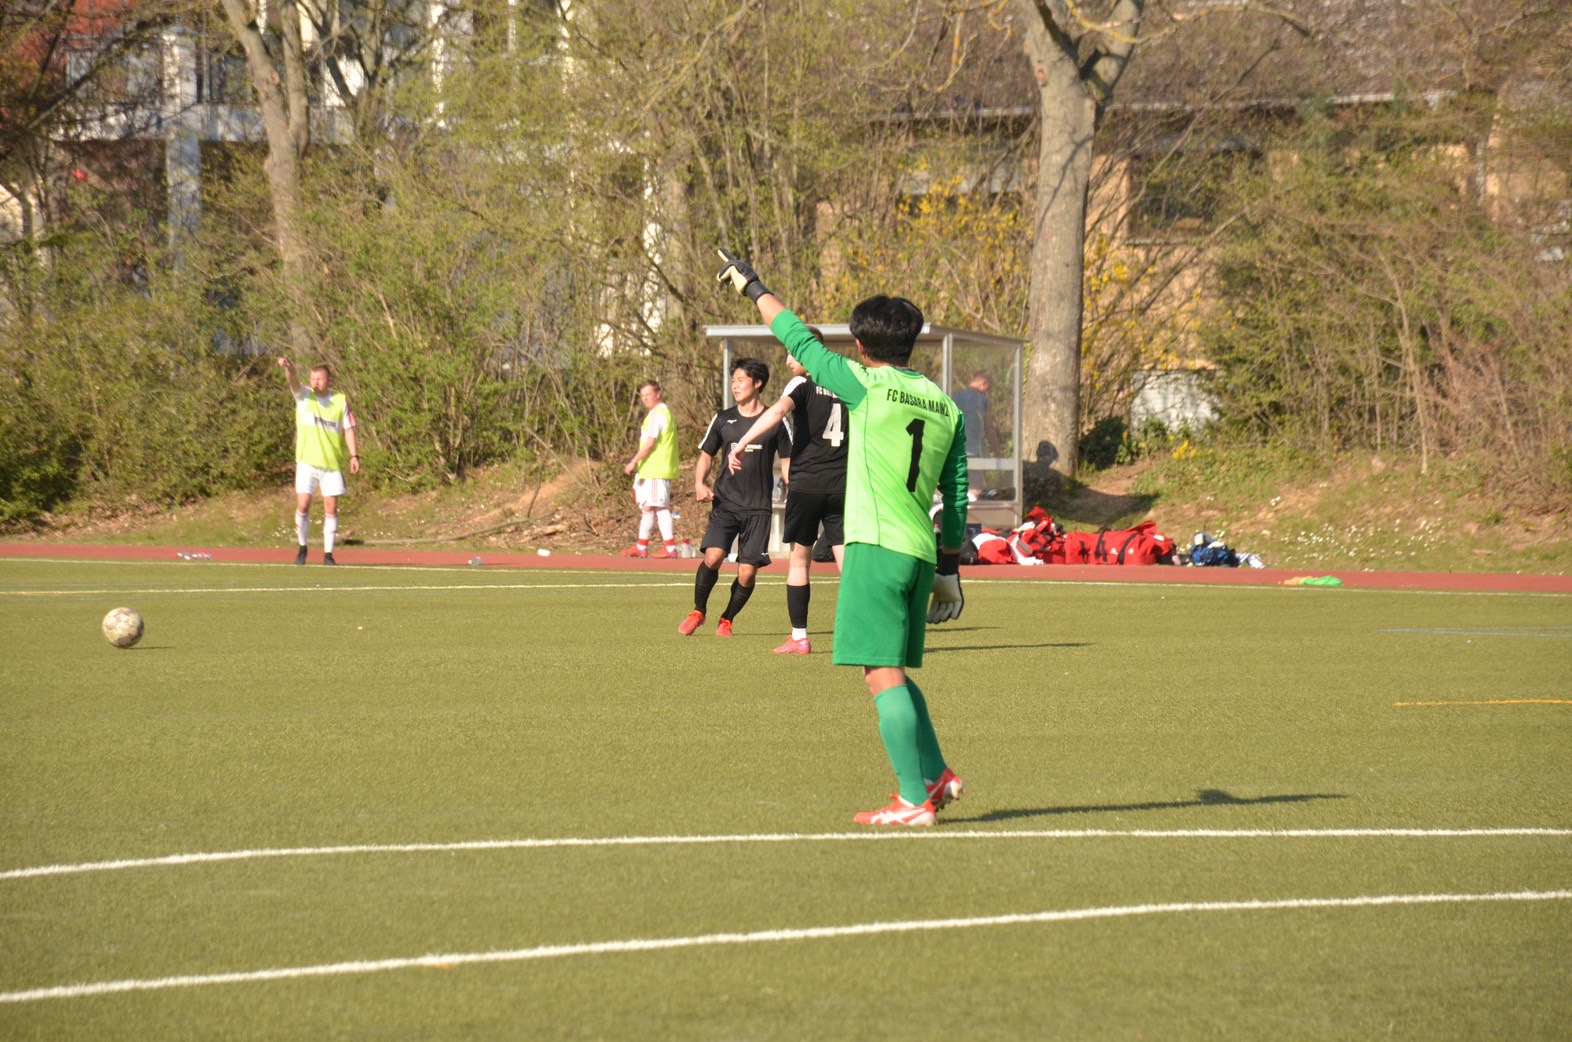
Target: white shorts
(652,493)
(309,479)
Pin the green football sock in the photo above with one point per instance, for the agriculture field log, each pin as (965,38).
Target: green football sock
(898,728)
(933,763)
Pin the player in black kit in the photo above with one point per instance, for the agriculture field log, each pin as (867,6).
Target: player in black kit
(816,489)
(740,507)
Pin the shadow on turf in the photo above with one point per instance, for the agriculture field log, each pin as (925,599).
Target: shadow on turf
(1203,798)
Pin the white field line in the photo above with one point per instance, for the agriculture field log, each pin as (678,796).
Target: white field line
(971,577)
(1553,632)
(1263,586)
(812,933)
(120,591)
(915,835)
(280,568)
(686,582)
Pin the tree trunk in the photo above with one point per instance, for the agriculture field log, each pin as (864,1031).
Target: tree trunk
(1064,163)
(1076,76)
(286,120)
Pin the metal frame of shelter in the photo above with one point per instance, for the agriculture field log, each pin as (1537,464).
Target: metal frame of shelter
(993,504)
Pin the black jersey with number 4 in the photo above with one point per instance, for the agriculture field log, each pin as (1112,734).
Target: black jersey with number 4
(819,433)
(752,488)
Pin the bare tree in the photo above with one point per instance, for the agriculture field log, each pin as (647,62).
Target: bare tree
(1077,61)
(360,55)
(278,75)
(54,57)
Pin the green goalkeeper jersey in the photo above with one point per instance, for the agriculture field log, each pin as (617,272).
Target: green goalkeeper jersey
(908,439)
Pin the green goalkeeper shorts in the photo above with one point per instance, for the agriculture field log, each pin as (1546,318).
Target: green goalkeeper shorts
(881,613)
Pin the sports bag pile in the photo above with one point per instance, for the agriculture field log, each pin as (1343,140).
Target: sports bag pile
(1143,544)
(1039,539)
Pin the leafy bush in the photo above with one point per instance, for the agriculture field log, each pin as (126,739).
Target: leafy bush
(1369,303)
(36,457)
(114,394)
(1104,444)
(1110,442)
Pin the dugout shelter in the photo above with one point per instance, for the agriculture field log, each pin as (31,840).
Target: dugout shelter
(951,358)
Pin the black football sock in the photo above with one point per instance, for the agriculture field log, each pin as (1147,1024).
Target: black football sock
(739,597)
(703,583)
(797,605)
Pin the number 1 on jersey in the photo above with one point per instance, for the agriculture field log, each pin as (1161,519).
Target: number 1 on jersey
(915,430)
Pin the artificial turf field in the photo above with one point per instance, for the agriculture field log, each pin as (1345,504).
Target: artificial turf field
(1195,812)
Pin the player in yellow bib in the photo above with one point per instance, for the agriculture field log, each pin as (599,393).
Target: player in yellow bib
(325,447)
(908,439)
(654,466)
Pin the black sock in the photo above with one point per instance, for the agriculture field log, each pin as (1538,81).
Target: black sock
(797,605)
(703,583)
(739,597)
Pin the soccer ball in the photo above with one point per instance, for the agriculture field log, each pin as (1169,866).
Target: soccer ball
(123,627)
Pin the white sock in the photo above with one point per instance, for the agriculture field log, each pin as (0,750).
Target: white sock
(663,516)
(646,526)
(302,528)
(799,634)
(329,531)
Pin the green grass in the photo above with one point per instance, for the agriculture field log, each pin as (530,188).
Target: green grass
(270,707)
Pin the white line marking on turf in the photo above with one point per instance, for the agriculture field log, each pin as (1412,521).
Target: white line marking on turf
(1495,702)
(1553,632)
(812,933)
(170,860)
(974,577)
(282,566)
(1262,586)
(423,588)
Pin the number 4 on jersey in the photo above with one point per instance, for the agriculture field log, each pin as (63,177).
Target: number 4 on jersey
(834,432)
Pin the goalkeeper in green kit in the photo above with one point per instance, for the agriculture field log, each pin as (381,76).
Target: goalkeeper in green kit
(907,440)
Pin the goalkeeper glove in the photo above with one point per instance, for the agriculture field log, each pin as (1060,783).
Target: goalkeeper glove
(947,599)
(741,276)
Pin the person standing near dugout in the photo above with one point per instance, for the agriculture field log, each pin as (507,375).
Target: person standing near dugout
(816,493)
(908,439)
(325,446)
(656,464)
(973,400)
(740,501)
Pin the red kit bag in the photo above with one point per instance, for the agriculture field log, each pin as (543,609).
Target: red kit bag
(992,548)
(1142,544)
(1038,536)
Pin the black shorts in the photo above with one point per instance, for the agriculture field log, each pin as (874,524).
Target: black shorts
(805,511)
(751,531)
